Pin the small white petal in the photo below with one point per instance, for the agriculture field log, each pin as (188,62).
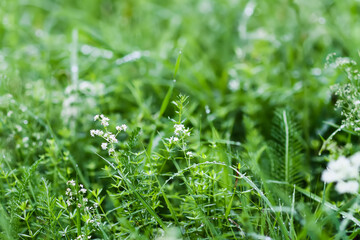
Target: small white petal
(347,187)
(330,176)
(355,159)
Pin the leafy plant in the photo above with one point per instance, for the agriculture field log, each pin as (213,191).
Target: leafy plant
(287,163)
(211,165)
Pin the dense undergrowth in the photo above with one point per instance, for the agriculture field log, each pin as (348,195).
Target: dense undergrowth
(210,119)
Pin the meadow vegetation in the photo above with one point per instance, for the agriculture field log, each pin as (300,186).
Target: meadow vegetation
(184,119)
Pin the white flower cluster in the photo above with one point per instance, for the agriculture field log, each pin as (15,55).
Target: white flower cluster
(180,131)
(332,61)
(341,61)
(173,140)
(345,172)
(71,182)
(82,237)
(78,198)
(190,154)
(348,95)
(73,196)
(104,120)
(96,132)
(121,128)
(349,103)
(108,136)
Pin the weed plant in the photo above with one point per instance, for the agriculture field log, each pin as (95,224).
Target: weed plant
(209,119)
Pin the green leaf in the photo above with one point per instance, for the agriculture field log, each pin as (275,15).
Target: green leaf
(286,151)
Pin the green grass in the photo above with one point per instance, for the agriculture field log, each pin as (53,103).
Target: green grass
(246,79)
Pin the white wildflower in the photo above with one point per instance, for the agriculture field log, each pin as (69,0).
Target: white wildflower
(338,170)
(355,160)
(187,132)
(104,146)
(179,128)
(18,128)
(112,138)
(92,132)
(82,190)
(173,139)
(80,237)
(111,151)
(207,109)
(329,176)
(105,121)
(96,132)
(124,127)
(347,187)
(71,182)
(340,61)
(190,154)
(345,172)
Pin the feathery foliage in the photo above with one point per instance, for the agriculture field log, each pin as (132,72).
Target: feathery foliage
(286,150)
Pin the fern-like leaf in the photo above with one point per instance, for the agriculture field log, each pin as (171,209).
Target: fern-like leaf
(286,150)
